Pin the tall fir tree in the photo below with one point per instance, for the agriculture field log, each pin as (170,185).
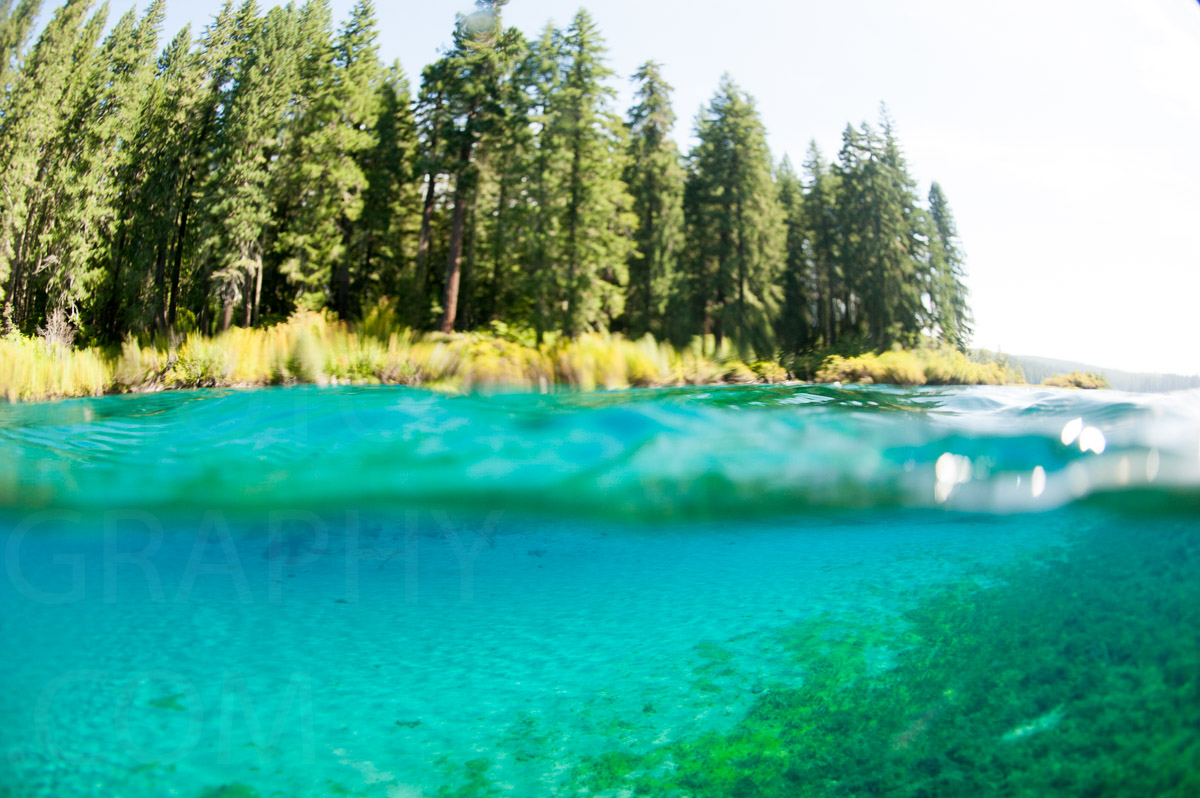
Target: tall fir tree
(902,231)
(502,192)
(239,202)
(432,114)
(821,226)
(386,238)
(735,224)
(140,285)
(15,27)
(482,52)
(795,324)
(42,99)
(202,106)
(92,176)
(324,180)
(951,313)
(540,213)
(881,239)
(655,179)
(597,221)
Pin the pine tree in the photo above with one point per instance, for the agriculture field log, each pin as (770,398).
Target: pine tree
(93,179)
(148,220)
(279,164)
(794,328)
(432,118)
(854,210)
(655,178)
(821,225)
(15,27)
(503,193)
(324,181)
(597,221)
(246,151)
(902,231)
(201,110)
(386,238)
(881,238)
(735,224)
(482,52)
(951,314)
(540,213)
(41,101)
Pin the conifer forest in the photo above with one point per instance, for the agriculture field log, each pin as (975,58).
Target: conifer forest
(272,162)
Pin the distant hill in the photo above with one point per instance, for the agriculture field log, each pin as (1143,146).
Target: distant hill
(1039,368)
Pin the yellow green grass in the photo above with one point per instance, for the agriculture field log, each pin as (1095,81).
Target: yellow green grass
(319,349)
(31,369)
(927,366)
(1078,379)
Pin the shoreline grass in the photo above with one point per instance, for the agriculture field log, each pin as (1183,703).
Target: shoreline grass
(316,348)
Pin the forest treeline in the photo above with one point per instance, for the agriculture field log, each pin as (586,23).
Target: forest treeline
(274,163)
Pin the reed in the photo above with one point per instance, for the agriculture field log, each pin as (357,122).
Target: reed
(1078,379)
(915,367)
(317,348)
(32,369)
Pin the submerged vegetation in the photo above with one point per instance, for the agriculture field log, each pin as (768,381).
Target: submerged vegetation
(316,348)
(1064,676)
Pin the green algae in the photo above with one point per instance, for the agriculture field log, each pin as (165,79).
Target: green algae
(476,782)
(713,652)
(170,702)
(1092,640)
(1077,673)
(234,790)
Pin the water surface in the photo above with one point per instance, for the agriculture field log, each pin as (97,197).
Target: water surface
(743,591)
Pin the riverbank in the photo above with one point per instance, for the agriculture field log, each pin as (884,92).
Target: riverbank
(312,348)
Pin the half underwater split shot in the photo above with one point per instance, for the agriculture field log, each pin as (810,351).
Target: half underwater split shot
(735,591)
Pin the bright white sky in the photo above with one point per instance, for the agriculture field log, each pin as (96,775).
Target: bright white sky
(1065,134)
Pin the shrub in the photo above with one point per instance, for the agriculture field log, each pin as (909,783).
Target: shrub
(769,371)
(915,367)
(137,367)
(1077,379)
(202,362)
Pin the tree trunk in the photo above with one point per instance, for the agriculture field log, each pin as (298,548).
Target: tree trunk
(205,321)
(648,259)
(160,285)
(258,284)
(453,262)
(248,291)
(342,278)
(462,197)
(467,292)
(493,311)
(570,326)
(177,264)
(741,256)
(422,276)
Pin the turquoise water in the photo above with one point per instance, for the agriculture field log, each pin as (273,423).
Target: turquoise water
(743,592)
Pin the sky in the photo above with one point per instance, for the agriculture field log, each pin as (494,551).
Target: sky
(1065,134)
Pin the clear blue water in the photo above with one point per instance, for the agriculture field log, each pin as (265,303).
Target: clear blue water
(746,591)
